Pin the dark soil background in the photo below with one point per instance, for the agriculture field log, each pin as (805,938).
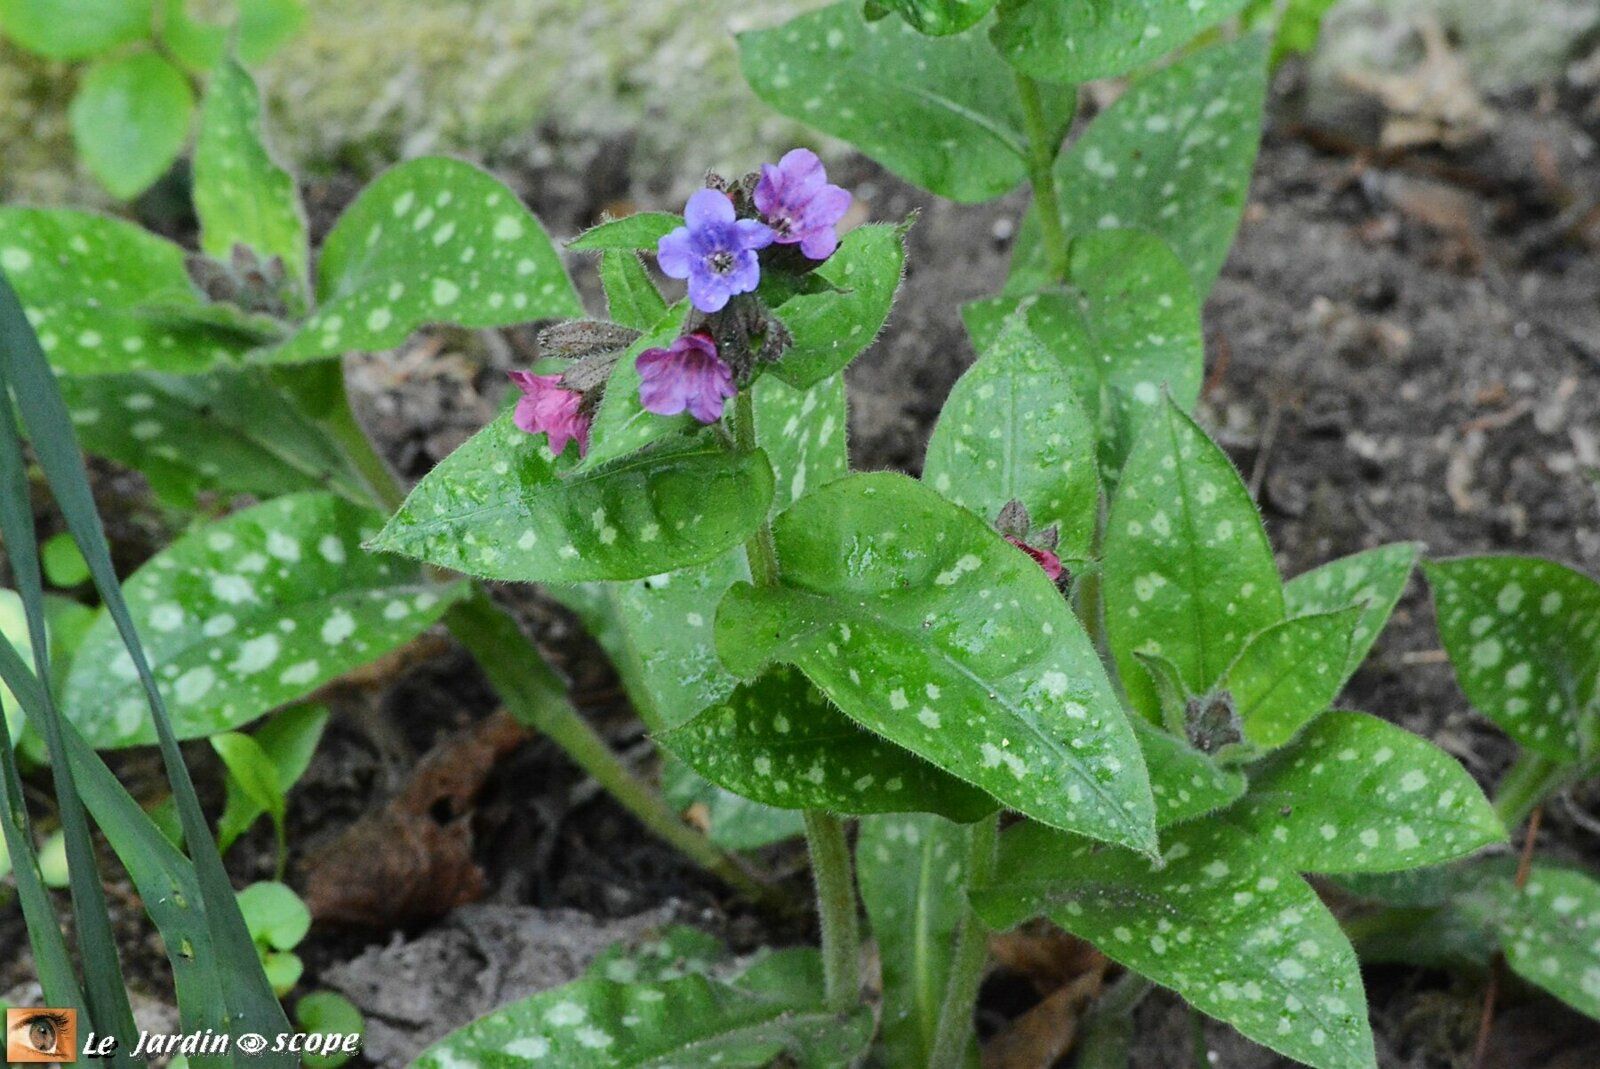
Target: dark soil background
(1403,346)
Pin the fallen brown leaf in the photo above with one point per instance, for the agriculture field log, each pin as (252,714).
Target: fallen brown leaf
(412,860)
(1039,1038)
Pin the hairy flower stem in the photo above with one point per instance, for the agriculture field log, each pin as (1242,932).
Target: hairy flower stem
(530,690)
(955,1029)
(1042,149)
(831,866)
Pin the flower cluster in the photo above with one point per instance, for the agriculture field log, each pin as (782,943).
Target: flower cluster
(717,251)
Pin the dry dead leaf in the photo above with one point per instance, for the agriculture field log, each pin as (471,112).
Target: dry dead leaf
(412,860)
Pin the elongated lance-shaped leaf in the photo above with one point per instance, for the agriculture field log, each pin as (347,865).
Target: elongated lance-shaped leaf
(1188,571)
(1012,430)
(1356,794)
(252,612)
(51,962)
(1524,637)
(430,241)
(601,1024)
(229,431)
(1172,156)
(1065,41)
(106,995)
(1550,933)
(1289,673)
(1238,934)
(1373,579)
(925,626)
(631,298)
(958,127)
(913,871)
(833,327)
(242,196)
(779,741)
(497,508)
(1186,783)
(1126,327)
(242,987)
(106,297)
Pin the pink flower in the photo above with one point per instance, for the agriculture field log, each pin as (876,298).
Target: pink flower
(795,199)
(547,407)
(1046,558)
(688,376)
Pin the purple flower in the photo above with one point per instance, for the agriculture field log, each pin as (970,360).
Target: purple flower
(715,251)
(547,407)
(688,376)
(802,208)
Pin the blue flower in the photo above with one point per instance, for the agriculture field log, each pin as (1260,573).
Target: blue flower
(714,251)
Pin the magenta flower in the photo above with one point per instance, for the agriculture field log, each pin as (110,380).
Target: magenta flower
(547,407)
(689,376)
(1047,559)
(796,200)
(715,251)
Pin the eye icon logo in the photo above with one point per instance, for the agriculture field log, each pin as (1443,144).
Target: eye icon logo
(41,1036)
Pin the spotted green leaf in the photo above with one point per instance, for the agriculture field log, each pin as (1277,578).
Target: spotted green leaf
(832,327)
(1357,794)
(1127,326)
(105,296)
(1289,673)
(241,194)
(730,820)
(497,508)
(936,18)
(229,431)
(249,613)
(130,119)
(1237,934)
(74,29)
(602,1024)
(660,954)
(639,231)
(1188,571)
(803,434)
(780,742)
(1072,41)
(1550,933)
(912,870)
(1172,156)
(432,240)
(1524,637)
(1012,429)
(631,298)
(1373,579)
(957,128)
(621,425)
(1186,783)
(926,627)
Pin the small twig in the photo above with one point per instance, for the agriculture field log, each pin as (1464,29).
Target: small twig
(1269,434)
(1480,1052)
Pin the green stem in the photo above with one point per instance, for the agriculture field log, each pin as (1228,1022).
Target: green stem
(1531,779)
(534,696)
(1042,149)
(836,909)
(530,690)
(1108,1031)
(955,1030)
(831,867)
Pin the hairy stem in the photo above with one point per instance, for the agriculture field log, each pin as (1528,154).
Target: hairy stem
(836,909)
(831,867)
(529,688)
(955,1029)
(1042,149)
